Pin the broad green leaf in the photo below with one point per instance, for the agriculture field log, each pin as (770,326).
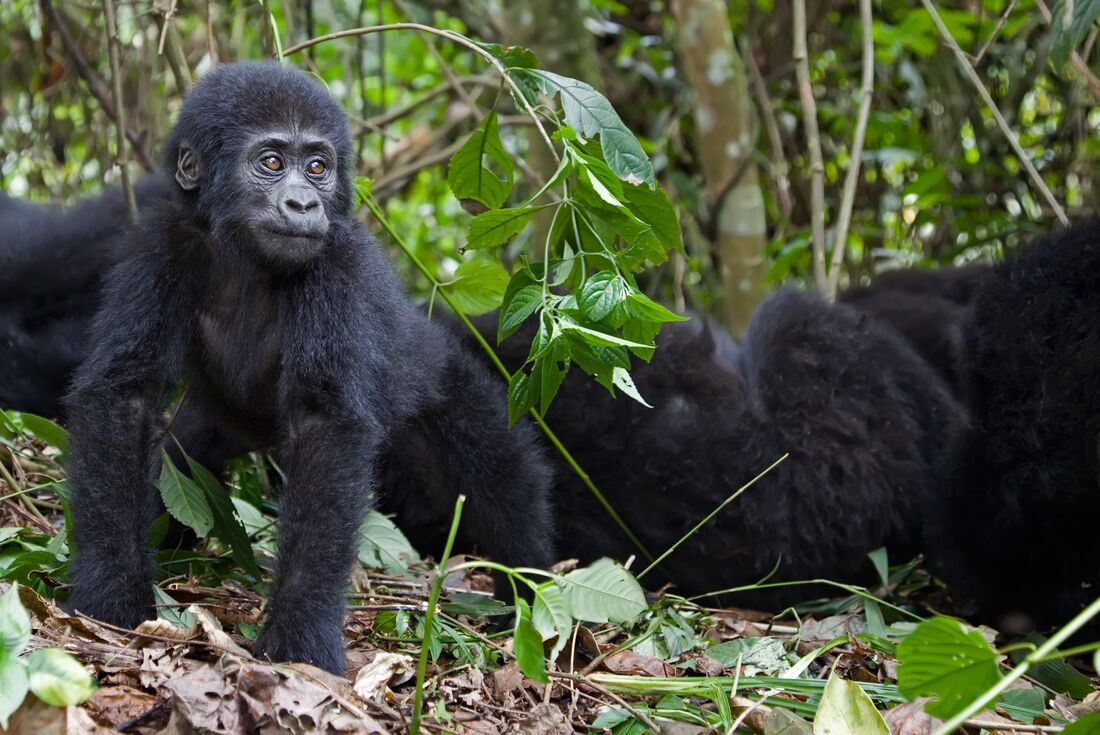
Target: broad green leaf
(251,518)
(527,645)
(57,678)
(1023,705)
(784,722)
(551,615)
(643,307)
(590,114)
(383,546)
(363,186)
(168,609)
(943,659)
(515,312)
(550,380)
(42,428)
(600,294)
(846,709)
(592,337)
(13,687)
(496,227)
(225,525)
(603,592)
(15,626)
(882,566)
(481,170)
(611,717)
(620,378)
(478,287)
(512,56)
(652,206)
(521,398)
(469,603)
(184,499)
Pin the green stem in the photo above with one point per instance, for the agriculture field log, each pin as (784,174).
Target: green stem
(1036,656)
(429,617)
(376,210)
(711,515)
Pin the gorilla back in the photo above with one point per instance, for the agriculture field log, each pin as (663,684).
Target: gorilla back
(253,284)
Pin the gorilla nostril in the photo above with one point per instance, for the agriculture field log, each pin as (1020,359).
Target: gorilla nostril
(301,205)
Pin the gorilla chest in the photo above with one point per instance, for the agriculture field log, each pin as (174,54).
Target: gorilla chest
(238,350)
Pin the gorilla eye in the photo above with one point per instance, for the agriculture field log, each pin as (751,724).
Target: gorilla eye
(272,163)
(316,167)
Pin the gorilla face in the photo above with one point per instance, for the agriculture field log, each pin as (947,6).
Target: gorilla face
(275,193)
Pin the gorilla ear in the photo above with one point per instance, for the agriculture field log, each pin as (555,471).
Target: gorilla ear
(187,169)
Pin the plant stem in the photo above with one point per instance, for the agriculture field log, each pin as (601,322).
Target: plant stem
(429,617)
(120,113)
(376,210)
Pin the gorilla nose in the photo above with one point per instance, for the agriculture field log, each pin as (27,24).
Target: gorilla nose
(301,202)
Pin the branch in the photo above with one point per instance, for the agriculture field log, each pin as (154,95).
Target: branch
(771,124)
(1078,61)
(120,119)
(851,180)
(94,84)
(997,115)
(450,36)
(813,143)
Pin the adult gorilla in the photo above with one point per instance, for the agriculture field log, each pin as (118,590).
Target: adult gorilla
(930,308)
(866,422)
(1017,531)
(51,263)
(252,283)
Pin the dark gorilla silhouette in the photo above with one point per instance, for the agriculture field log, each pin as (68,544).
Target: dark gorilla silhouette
(51,263)
(866,422)
(253,283)
(1018,530)
(930,308)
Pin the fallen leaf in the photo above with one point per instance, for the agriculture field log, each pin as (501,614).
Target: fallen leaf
(385,670)
(628,662)
(546,719)
(115,705)
(910,718)
(214,633)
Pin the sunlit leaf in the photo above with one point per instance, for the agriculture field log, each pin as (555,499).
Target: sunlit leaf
(603,592)
(945,660)
(527,645)
(57,678)
(846,709)
(494,228)
(478,286)
(15,625)
(481,170)
(13,687)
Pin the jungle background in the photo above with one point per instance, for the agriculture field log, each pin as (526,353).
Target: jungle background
(915,134)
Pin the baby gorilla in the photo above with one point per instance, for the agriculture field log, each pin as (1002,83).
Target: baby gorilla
(252,282)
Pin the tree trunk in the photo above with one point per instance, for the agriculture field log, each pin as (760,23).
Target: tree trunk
(724,127)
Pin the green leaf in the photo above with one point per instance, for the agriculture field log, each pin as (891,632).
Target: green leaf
(481,170)
(1023,705)
(363,186)
(602,339)
(943,659)
(527,645)
(225,524)
(846,709)
(383,546)
(521,398)
(879,560)
(185,500)
(590,114)
(478,286)
(168,609)
(1066,40)
(512,56)
(603,592)
(653,206)
(552,616)
(600,294)
(496,227)
(515,312)
(1087,725)
(57,678)
(620,378)
(641,306)
(784,722)
(551,378)
(15,626)
(41,428)
(13,687)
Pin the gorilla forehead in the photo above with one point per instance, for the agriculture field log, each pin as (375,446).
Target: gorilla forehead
(236,101)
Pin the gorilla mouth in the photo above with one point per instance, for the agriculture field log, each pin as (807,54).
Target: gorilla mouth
(297,233)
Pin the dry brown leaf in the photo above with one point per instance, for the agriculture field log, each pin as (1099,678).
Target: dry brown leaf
(910,718)
(214,633)
(505,680)
(163,629)
(385,670)
(757,717)
(546,719)
(115,705)
(207,700)
(38,718)
(628,662)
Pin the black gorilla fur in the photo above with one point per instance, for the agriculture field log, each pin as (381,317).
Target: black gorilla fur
(866,421)
(1018,529)
(51,262)
(930,308)
(252,281)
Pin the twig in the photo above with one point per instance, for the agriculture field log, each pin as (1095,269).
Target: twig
(94,83)
(1014,141)
(177,59)
(450,36)
(120,111)
(607,693)
(1011,726)
(996,32)
(771,124)
(851,180)
(801,60)
(210,45)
